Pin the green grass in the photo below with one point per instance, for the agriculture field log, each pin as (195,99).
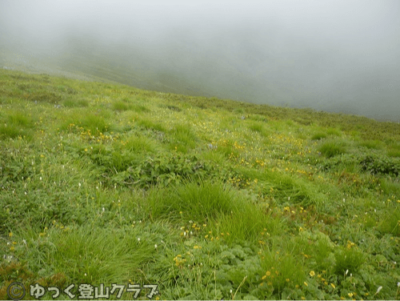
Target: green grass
(72,103)
(83,253)
(182,138)
(120,106)
(103,183)
(203,203)
(372,144)
(17,124)
(319,136)
(332,148)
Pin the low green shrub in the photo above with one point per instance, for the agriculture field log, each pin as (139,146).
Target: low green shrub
(379,165)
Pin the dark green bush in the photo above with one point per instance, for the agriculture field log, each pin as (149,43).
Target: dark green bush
(376,165)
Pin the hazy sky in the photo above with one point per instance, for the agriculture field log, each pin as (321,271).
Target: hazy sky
(332,54)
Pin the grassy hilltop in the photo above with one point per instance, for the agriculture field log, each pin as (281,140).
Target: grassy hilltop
(207,198)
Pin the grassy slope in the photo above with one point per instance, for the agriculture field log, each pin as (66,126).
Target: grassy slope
(207,198)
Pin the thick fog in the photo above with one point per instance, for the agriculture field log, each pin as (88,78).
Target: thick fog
(332,55)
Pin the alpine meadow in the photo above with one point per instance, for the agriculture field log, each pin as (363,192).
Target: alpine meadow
(207,198)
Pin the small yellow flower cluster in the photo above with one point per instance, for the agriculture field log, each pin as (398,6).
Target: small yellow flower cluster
(89,136)
(59,226)
(12,248)
(179,261)
(191,230)
(267,274)
(239,182)
(44,233)
(265,232)
(350,244)
(212,238)
(261,162)
(238,146)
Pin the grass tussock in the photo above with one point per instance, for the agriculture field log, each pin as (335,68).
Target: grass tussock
(84,253)
(16,124)
(332,148)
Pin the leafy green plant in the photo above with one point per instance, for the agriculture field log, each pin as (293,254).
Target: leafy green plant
(376,165)
(162,170)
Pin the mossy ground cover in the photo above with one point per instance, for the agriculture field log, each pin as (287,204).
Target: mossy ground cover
(207,198)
